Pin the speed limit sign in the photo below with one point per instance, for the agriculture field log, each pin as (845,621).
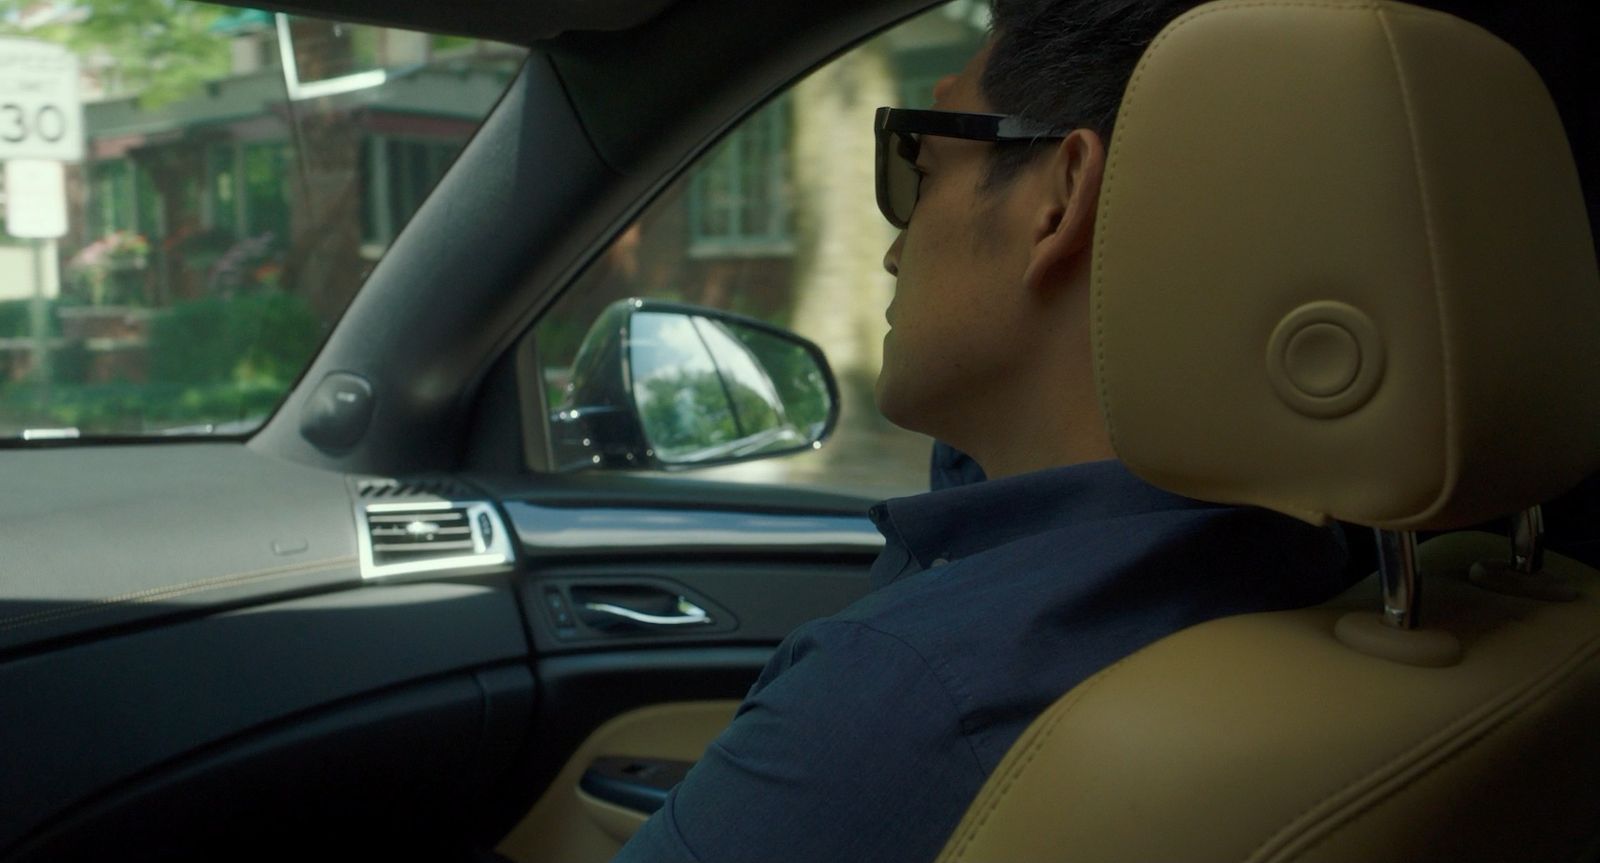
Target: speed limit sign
(40,116)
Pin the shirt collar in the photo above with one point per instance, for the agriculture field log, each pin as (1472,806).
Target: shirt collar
(956,522)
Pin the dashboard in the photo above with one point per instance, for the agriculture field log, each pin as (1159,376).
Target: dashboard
(200,643)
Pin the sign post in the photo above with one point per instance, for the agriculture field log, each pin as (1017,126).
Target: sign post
(41,126)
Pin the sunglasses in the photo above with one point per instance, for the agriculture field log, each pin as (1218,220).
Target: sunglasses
(899,134)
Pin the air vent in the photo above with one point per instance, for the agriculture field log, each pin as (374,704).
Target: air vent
(442,487)
(403,537)
(431,536)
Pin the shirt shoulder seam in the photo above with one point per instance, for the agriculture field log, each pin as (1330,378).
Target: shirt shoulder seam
(938,676)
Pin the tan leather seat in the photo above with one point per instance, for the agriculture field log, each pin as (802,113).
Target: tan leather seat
(1342,270)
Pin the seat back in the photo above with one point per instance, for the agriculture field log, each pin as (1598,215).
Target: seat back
(1264,737)
(1343,270)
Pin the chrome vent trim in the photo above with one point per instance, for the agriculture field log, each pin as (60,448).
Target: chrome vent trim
(427,537)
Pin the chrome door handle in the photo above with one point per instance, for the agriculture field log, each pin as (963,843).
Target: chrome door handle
(688,614)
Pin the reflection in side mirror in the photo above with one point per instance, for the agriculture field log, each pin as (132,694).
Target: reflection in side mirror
(662,385)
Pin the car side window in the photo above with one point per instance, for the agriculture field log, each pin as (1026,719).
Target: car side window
(778,222)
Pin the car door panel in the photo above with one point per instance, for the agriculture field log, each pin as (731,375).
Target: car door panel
(571,826)
(707,525)
(95,716)
(763,600)
(769,558)
(765,558)
(398,774)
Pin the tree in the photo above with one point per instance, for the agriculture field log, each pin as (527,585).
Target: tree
(161,50)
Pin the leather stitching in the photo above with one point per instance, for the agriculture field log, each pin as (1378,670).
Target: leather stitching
(1451,447)
(58,614)
(1056,714)
(1443,747)
(1397,774)
(1125,115)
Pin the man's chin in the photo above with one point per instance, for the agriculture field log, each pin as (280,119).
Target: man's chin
(892,403)
(881,396)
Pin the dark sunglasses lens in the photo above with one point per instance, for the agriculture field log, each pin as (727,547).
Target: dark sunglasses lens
(901,177)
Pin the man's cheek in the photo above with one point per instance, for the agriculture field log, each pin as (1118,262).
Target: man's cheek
(917,261)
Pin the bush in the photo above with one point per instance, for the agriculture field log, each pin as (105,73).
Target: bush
(16,318)
(127,408)
(210,361)
(263,338)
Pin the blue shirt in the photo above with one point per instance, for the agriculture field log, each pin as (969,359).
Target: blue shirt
(870,732)
(949,467)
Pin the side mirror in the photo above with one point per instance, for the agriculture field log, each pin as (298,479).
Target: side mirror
(667,386)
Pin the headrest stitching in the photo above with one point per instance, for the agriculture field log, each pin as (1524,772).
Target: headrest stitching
(1125,118)
(990,797)
(1430,231)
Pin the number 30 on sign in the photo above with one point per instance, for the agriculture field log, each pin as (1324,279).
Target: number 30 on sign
(40,115)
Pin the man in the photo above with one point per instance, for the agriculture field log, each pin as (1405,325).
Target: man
(870,732)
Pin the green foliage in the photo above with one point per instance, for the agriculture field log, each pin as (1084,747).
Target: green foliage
(754,412)
(211,361)
(109,270)
(795,374)
(164,50)
(70,363)
(128,408)
(685,411)
(252,339)
(559,338)
(16,318)
(445,44)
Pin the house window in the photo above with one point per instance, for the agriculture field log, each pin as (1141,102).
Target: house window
(112,194)
(740,201)
(266,170)
(122,197)
(223,201)
(396,176)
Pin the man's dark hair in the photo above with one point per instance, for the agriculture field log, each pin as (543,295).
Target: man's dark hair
(1066,63)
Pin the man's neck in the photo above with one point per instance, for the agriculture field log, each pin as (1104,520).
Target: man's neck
(1015,460)
(1054,424)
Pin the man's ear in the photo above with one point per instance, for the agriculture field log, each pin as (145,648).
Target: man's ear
(1063,230)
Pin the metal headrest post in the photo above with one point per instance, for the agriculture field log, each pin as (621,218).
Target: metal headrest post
(1401,581)
(1527,540)
(1397,634)
(1524,573)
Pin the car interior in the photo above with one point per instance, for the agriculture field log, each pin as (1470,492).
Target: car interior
(210,645)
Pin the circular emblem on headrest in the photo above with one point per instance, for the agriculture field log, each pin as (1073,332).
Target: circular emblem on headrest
(1325,359)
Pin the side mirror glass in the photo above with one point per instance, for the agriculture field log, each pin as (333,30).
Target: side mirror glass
(669,386)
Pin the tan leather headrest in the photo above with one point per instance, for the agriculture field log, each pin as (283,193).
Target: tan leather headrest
(1343,269)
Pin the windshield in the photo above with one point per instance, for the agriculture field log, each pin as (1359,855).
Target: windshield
(194,193)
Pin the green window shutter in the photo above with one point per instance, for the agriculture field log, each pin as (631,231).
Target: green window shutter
(739,200)
(222,188)
(266,189)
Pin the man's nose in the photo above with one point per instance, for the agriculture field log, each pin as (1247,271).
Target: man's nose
(942,87)
(891,258)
